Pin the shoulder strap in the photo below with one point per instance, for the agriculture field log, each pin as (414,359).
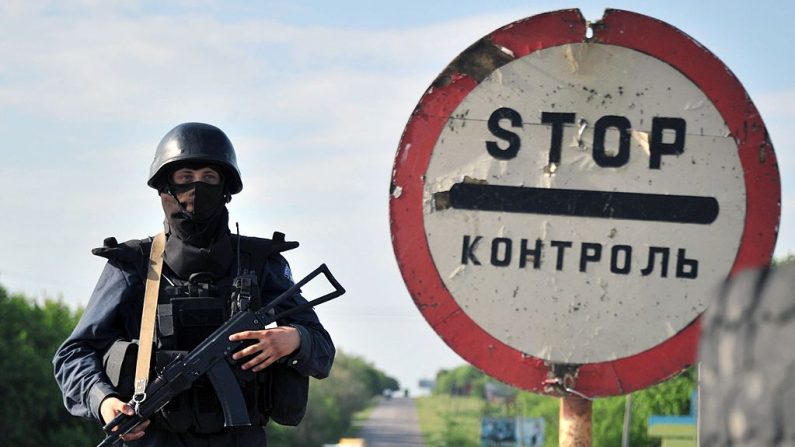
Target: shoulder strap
(134,253)
(146,337)
(258,250)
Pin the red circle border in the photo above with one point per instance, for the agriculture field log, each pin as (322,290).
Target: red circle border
(621,28)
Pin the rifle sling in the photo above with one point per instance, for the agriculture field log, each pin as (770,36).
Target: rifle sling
(146,337)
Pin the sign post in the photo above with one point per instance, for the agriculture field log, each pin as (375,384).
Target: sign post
(561,204)
(575,422)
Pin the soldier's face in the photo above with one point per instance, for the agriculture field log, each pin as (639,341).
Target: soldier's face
(184,176)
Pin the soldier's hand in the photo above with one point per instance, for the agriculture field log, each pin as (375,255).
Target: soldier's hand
(270,345)
(111,407)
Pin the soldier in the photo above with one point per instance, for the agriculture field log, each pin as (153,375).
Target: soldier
(195,173)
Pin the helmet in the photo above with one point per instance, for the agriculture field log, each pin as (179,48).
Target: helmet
(196,142)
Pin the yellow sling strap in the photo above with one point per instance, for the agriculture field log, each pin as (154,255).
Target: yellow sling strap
(146,337)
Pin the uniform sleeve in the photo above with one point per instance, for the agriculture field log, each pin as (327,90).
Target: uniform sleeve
(316,354)
(108,317)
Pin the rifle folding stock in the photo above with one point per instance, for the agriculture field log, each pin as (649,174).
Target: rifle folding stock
(213,357)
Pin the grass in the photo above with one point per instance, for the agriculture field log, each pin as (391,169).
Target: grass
(450,420)
(454,421)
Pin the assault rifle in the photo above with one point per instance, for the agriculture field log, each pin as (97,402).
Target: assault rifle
(213,357)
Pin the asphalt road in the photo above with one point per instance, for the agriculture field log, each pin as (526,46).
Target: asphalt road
(392,423)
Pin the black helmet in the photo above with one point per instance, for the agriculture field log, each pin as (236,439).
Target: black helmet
(196,142)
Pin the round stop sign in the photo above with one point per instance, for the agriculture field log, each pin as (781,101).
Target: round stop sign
(562,205)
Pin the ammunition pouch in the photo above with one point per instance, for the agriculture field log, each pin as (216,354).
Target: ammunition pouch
(288,391)
(184,322)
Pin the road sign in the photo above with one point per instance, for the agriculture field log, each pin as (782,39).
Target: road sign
(562,203)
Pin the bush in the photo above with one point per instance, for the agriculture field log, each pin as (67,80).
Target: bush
(461,381)
(31,410)
(671,397)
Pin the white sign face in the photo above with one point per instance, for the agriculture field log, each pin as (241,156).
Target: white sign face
(582,201)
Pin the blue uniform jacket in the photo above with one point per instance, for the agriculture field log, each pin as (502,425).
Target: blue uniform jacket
(114,313)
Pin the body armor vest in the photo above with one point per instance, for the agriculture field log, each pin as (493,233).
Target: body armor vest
(188,311)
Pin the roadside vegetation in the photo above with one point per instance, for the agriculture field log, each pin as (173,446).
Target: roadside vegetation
(447,420)
(451,415)
(789,258)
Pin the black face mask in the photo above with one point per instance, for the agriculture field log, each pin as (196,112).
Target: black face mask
(199,239)
(206,198)
(207,216)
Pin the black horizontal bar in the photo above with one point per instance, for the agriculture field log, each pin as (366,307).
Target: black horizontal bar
(584,203)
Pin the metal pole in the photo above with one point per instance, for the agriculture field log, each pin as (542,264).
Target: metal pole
(575,422)
(627,421)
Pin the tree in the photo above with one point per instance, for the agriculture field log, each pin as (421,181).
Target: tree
(789,258)
(464,380)
(31,410)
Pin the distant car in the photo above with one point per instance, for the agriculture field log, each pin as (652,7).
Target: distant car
(387,394)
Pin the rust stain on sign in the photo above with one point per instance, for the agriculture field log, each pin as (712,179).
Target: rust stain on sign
(478,61)
(441,200)
(561,378)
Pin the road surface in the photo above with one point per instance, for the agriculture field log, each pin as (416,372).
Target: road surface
(392,423)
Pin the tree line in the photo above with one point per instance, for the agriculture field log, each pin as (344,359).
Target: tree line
(32,411)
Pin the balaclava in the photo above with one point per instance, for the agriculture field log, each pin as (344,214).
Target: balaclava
(198,239)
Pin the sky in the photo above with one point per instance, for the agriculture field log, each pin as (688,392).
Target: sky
(314,96)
